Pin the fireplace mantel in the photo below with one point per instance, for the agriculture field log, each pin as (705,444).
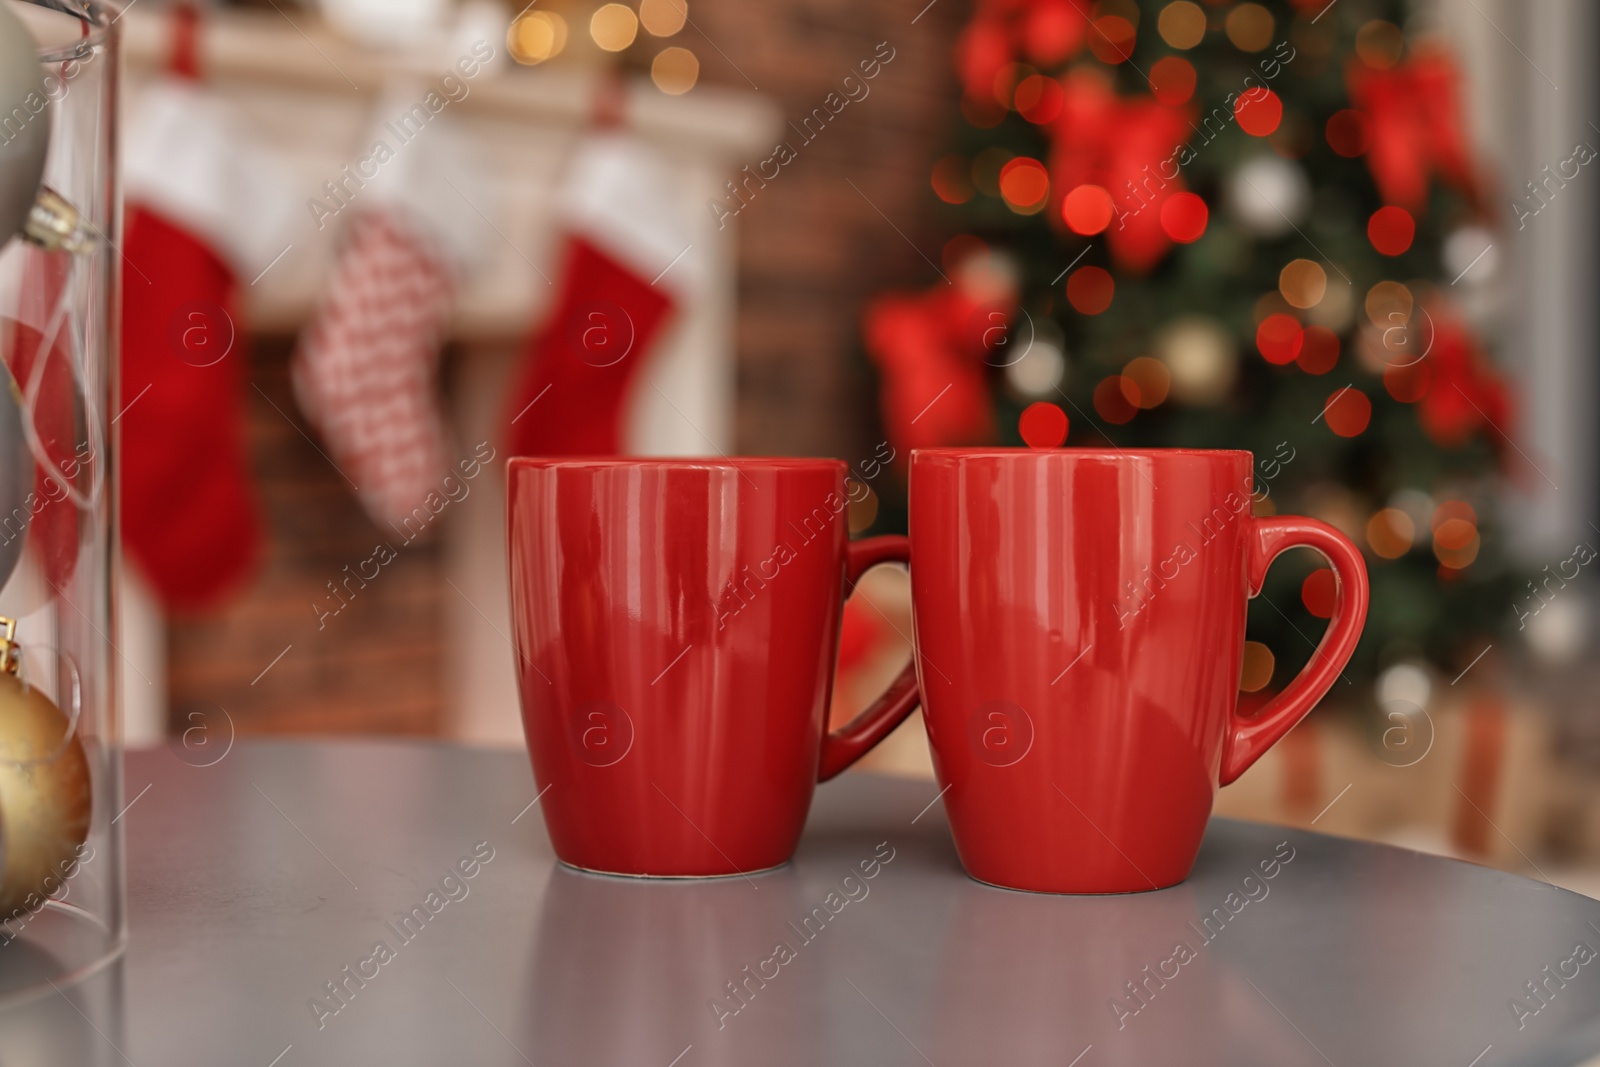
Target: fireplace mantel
(309,98)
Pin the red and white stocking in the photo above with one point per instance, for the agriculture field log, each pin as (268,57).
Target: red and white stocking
(367,367)
(203,208)
(623,263)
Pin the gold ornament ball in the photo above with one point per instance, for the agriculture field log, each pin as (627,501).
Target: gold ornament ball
(1202,357)
(44,797)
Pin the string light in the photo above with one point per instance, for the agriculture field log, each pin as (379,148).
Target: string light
(675,70)
(1039,99)
(1184,217)
(1255,672)
(1182,24)
(613,26)
(952,180)
(1388,304)
(1319,350)
(1087,209)
(1391,533)
(1349,132)
(1145,382)
(1249,27)
(1348,412)
(1391,230)
(1052,33)
(1455,543)
(1258,111)
(1279,338)
(1113,39)
(1006,81)
(1039,373)
(1172,80)
(863,510)
(1302,283)
(1111,403)
(1319,592)
(1043,425)
(663,18)
(1024,185)
(536,37)
(1090,290)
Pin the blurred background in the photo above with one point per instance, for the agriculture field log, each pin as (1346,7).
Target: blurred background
(1356,237)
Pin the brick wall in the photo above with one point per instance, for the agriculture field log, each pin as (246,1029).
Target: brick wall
(373,666)
(812,246)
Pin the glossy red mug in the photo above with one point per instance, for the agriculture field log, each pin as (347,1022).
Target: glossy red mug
(1080,622)
(676,623)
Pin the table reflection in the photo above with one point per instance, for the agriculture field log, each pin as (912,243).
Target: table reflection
(1027,978)
(629,971)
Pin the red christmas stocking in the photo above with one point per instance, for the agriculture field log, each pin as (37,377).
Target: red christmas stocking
(206,208)
(623,260)
(570,399)
(365,371)
(188,515)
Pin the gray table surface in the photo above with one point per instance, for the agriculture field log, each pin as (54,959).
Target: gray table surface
(256,881)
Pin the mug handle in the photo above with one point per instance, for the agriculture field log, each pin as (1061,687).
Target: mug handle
(855,738)
(1249,738)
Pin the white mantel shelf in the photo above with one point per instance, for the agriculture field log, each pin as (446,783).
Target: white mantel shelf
(267,49)
(311,95)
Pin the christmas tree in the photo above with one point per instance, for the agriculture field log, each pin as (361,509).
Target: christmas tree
(1229,225)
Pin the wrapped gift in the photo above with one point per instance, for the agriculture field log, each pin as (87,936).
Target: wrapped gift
(1470,776)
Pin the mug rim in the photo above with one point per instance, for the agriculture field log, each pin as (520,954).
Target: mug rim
(676,462)
(1000,452)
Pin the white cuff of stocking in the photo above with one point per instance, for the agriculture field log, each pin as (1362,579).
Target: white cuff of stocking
(187,159)
(620,193)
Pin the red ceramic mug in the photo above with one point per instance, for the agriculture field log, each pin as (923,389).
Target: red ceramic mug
(676,623)
(1080,623)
